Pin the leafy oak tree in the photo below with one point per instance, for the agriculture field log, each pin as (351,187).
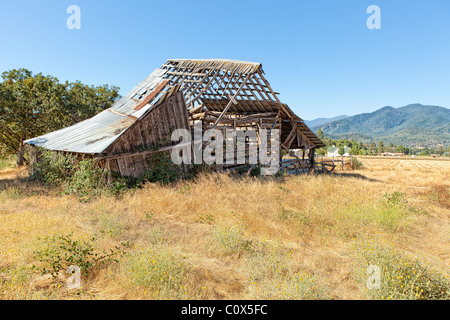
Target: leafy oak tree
(381,147)
(320,134)
(32,105)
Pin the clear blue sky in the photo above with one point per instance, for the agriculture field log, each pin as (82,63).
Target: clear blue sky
(318,54)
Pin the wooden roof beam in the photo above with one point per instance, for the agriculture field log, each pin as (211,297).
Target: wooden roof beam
(206,137)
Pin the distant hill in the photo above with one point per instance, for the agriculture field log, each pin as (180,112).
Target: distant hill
(322,121)
(411,125)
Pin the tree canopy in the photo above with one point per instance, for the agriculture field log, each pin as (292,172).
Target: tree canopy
(373,148)
(32,105)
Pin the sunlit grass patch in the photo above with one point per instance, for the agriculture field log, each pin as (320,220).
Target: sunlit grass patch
(14,282)
(389,214)
(7,162)
(292,216)
(229,239)
(377,214)
(440,194)
(163,273)
(272,275)
(401,276)
(346,220)
(12,192)
(157,234)
(111,225)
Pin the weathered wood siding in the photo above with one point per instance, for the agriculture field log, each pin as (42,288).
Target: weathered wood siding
(154,129)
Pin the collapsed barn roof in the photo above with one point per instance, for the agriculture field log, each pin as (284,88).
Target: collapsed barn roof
(219,84)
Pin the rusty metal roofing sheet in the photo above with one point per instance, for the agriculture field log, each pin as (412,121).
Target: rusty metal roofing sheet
(94,135)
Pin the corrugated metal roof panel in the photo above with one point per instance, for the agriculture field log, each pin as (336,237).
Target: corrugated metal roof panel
(94,135)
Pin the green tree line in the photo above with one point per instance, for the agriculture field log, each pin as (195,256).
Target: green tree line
(373,148)
(35,104)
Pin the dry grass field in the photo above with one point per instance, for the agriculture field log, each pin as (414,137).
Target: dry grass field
(223,237)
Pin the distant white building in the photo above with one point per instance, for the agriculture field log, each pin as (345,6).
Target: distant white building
(334,151)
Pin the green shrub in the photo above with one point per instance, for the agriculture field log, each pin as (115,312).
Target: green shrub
(119,185)
(82,178)
(53,168)
(395,199)
(160,169)
(86,181)
(60,252)
(356,164)
(89,181)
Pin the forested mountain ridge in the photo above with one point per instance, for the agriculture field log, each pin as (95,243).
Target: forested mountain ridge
(411,125)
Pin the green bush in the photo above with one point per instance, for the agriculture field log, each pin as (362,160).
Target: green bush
(160,169)
(395,199)
(60,252)
(82,178)
(53,168)
(356,164)
(86,181)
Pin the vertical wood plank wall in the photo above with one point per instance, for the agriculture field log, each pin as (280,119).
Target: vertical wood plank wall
(153,130)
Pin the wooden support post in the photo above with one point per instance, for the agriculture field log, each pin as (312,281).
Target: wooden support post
(311,158)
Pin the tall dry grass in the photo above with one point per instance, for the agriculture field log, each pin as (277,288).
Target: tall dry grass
(224,237)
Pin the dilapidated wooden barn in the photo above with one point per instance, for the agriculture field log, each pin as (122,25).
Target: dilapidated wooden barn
(217,93)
